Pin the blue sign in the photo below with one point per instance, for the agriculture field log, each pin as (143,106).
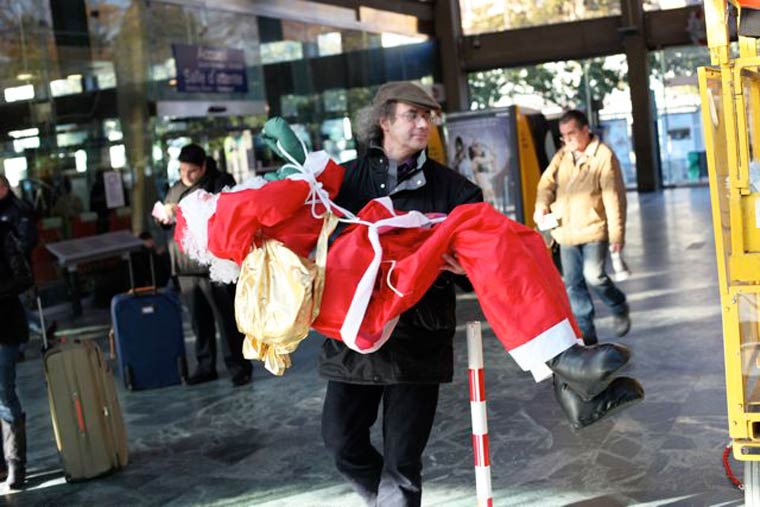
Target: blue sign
(209,70)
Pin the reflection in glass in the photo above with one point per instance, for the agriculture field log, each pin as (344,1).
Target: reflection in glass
(673,80)
(749,333)
(482,16)
(597,86)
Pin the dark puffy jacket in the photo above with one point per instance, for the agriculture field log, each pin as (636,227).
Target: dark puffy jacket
(15,278)
(17,213)
(213,181)
(420,349)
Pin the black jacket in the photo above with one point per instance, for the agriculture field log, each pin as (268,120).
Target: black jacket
(15,278)
(17,213)
(213,181)
(420,349)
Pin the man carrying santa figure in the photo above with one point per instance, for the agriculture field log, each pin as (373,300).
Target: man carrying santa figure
(406,371)
(388,304)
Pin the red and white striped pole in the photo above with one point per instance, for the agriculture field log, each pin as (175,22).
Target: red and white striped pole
(478,413)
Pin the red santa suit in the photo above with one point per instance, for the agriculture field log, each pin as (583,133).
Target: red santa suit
(518,287)
(382,264)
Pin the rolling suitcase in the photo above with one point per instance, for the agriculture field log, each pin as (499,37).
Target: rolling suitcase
(150,342)
(87,421)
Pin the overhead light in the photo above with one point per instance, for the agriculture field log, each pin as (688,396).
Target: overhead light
(172,82)
(17,134)
(24,76)
(80,159)
(16,93)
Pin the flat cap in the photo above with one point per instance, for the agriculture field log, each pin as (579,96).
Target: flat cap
(404,91)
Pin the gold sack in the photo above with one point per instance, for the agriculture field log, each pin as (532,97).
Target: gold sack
(278,297)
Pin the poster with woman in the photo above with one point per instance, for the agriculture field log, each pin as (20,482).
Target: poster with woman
(482,146)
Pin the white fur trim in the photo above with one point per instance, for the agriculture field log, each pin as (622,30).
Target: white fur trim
(224,270)
(545,346)
(197,208)
(250,183)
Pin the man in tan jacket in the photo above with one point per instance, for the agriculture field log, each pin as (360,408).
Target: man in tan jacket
(583,188)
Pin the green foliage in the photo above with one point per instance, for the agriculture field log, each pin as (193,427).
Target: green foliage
(510,14)
(680,61)
(562,83)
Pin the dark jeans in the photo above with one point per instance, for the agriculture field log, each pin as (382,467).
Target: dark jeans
(583,267)
(10,406)
(395,477)
(211,305)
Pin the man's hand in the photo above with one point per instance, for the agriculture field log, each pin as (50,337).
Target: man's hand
(616,247)
(171,211)
(164,213)
(452,265)
(539,213)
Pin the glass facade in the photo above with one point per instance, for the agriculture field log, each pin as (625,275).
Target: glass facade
(597,86)
(482,16)
(673,80)
(120,85)
(655,5)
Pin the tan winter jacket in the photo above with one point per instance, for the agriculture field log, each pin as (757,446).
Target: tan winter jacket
(588,199)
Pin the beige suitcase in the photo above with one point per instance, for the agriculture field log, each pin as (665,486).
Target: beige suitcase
(87,419)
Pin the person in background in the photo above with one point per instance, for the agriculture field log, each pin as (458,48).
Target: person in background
(15,278)
(67,206)
(98,201)
(583,187)
(210,304)
(19,215)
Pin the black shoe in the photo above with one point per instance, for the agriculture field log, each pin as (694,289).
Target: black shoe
(199,377)
(590,339)
(589,370)
(621,324)
(241,379)
(621,393)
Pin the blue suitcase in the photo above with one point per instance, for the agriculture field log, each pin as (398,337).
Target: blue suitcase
(150,343)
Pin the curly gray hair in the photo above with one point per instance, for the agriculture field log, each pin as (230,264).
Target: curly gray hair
(367,122)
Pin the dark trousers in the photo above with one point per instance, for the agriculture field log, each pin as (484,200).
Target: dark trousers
(583,267)
(395,477)
(211,305)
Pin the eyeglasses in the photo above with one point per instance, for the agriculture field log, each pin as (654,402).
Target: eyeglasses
(413,116)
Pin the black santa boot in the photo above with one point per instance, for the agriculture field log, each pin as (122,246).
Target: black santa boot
(588,370)
(14,449)
(621,393)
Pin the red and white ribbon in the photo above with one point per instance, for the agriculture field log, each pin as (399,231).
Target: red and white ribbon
(360,301)
(478,414)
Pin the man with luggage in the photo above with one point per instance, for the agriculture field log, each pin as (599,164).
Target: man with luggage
(583,188)
(210,304)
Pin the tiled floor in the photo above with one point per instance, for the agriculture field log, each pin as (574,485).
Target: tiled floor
(260,445)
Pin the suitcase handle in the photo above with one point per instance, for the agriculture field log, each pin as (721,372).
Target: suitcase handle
(42,323)
(152,289)
(80,414)
(138,291)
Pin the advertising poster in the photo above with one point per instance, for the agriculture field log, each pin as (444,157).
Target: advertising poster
(114,189)
(483,147)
